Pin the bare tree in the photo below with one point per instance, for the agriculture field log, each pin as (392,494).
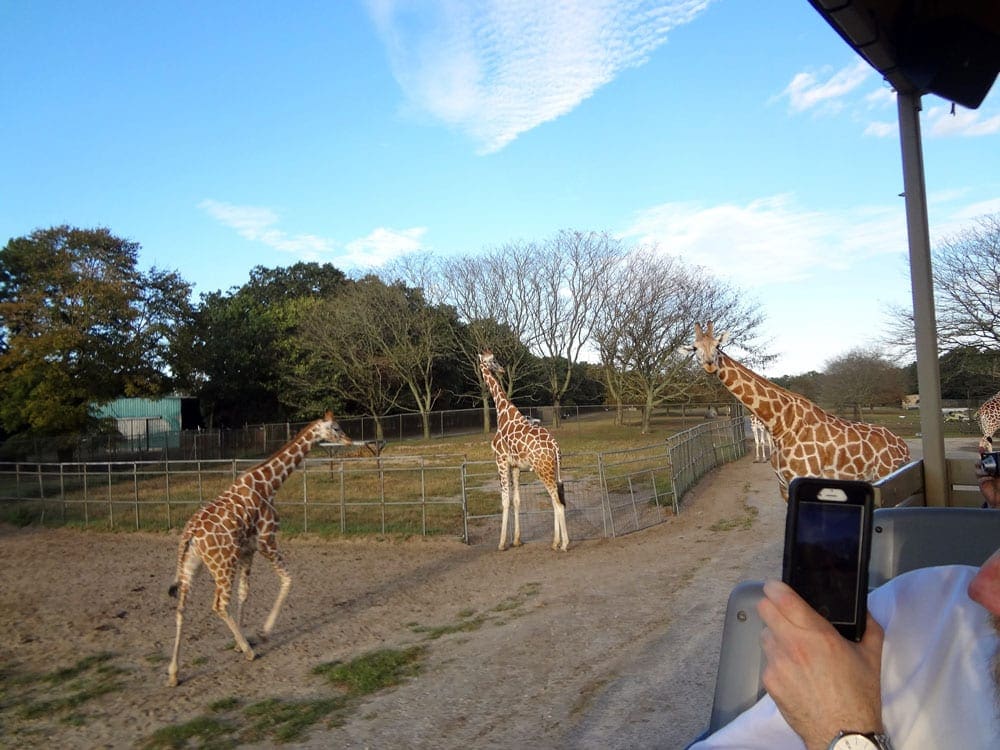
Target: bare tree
(400,336)
(483,290)
(966,268)
(344,359)
(652,301)
(862,378)
(563,301)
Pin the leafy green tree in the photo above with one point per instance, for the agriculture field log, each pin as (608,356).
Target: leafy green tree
(81,324)
(242,350)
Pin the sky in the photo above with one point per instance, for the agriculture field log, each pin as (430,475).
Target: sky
(746,138)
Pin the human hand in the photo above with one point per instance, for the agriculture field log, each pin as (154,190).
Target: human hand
(820,681)
(989,485)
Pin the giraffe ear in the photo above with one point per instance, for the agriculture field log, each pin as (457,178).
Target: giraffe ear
(723,338)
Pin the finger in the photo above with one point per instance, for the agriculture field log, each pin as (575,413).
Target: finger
(792,607)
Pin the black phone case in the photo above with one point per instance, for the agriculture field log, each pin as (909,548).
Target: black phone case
(807,488)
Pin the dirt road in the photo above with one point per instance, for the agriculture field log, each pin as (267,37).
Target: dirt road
(611,645)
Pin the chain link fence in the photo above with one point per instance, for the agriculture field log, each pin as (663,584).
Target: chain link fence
(607,494)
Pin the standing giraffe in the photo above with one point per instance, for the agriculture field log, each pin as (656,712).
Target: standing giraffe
(518,445)
(988,416)
(242,520)
(808,441)
(763,445)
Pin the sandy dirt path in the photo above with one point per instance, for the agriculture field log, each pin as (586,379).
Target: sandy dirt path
(611,645)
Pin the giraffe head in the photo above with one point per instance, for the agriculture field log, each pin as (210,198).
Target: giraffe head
(330,432)
(487,361)
(706,346)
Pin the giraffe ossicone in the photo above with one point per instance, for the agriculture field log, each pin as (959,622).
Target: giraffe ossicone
(242,520)
(518,444)
(808,441)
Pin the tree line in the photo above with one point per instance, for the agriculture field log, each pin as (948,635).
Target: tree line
(577,318)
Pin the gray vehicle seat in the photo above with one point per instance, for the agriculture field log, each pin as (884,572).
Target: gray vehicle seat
(903,539)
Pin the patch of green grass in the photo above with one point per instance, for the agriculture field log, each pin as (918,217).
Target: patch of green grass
(60,693)
(373,671)
(434,632)
(287,721)
(741,523)
(206,732)
(224,704)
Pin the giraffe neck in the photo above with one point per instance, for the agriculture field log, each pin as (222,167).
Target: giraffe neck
(507,413)
(275,470)
(776,407)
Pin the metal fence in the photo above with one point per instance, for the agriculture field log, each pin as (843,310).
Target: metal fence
(607,494)
(149,440)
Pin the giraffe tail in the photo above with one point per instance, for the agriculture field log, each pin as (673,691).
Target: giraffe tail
(562,493)
(182,553)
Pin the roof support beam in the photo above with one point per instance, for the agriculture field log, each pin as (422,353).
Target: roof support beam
(922,285)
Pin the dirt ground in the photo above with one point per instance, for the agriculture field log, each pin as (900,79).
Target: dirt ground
(613,644)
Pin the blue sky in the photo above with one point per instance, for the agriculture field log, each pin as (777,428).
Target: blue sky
(744,137)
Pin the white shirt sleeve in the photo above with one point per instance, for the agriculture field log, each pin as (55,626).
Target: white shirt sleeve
(937,690)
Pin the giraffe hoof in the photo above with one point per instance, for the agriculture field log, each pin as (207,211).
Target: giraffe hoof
(250,654)
(502,548)
(172,681)
(516,543)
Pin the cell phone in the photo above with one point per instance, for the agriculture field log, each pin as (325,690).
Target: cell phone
(828,532)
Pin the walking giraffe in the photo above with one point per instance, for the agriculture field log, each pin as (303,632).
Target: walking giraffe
(988,416)
(242,520)
(518,445)
(763,445)
(808,442)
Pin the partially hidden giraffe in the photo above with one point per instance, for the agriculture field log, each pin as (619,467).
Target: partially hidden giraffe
(762,443)
(242,520)
(988,416)
(807,440)
(518,444)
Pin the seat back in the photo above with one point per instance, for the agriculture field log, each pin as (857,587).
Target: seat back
(903,539)
(909,538)
(737,685)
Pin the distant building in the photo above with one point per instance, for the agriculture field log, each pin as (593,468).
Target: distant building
(147,423)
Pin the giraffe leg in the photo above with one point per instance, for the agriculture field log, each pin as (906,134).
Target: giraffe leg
(187,572)
(560,536)
(515,481)
(172,669)
(221,607)
(272,554)
(244,586)
(505,502)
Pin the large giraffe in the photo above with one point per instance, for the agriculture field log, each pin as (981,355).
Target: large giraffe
(807,440)
(518,445)
(242,520)
(988,416)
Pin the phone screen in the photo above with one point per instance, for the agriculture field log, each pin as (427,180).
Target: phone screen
(827,559)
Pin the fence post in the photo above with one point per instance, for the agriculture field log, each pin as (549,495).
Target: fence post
(609,518)
(465,503)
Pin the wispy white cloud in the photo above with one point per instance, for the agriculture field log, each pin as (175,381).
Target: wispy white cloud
(880,129)
(259,224)
(497,68)
(771,240)
(964,122)
(809,90)
(383,245)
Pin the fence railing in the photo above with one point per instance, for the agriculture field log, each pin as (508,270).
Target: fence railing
(148,440)
(607,494)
